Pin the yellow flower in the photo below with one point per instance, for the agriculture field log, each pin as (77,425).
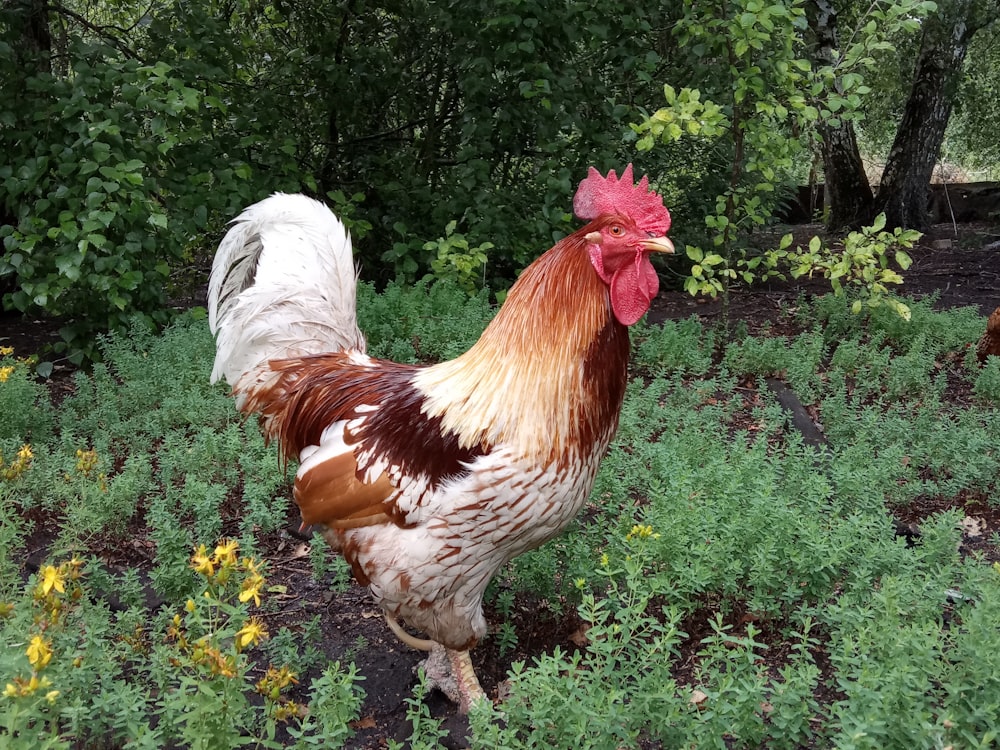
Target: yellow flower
(642,532)
(5,372)
(189,605)
(33,684)
(225,552)
(24,455)
(251,634)
(6,351)
(250,591)
(86,461)
(52,578)
(11,690)
(202,563)
(51,696)
(39,652)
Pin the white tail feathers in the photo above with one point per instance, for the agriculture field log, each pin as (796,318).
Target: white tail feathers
(283,284)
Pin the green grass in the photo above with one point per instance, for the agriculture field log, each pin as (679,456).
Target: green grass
(741,589)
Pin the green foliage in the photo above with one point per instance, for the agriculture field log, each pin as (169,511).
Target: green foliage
(864,262)
(328,567)
(143,129)
(23,400)
(987,383)
(760,109)
(426,732)
(336,701)
(453,258)
(184,679)
(427,321)
(798,360)
(731,580)
(750,108)
(106,199)
(674,346)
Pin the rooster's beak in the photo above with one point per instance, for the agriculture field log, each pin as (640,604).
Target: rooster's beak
(658,245)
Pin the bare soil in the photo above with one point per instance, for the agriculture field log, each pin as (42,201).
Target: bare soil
(960,269)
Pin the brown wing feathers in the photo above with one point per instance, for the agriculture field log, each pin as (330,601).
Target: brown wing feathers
(306,395)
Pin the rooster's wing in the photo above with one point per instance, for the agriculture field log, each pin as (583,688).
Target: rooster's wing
(368,452)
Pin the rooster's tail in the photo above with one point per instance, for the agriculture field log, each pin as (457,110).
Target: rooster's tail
(283,285)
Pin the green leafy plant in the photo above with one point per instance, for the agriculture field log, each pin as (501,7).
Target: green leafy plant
(864,263)
(758,112)
(186,680)
(454,258)
(987,382)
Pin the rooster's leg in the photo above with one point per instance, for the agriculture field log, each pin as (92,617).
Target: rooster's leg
(451,672)
(447,670)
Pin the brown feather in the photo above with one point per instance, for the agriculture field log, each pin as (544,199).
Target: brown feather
(331,493)
(568,355)
(989,344)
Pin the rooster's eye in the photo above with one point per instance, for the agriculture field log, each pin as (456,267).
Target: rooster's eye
(616,230)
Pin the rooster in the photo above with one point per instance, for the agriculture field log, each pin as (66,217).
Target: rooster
(990,342)
(429,478)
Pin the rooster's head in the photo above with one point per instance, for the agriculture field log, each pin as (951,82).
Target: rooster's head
(628,221)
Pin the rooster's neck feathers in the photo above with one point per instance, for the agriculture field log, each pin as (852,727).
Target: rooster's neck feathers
(548,374)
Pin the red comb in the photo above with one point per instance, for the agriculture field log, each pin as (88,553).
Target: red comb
(599,195)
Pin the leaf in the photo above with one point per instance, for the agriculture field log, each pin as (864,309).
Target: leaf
(903,260)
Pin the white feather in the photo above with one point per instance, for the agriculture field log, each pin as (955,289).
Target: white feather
(283,284)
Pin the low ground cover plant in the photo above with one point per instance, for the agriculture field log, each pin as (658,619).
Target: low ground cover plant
(731,585)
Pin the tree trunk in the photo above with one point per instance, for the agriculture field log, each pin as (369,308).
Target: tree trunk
(903,194)
(33,44)
(846,187)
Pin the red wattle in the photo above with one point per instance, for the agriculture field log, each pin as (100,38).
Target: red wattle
(632,289)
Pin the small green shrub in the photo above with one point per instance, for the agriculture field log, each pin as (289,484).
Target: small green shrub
(986,386)
(758,357)
(72,670)
(425,322)
(24,402)
(674,346)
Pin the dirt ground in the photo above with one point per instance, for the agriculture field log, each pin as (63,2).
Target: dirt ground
(961,270)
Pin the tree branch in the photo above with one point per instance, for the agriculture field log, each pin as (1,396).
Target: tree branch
(101,31)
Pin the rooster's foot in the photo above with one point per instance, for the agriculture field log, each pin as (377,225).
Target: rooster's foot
(451,672)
